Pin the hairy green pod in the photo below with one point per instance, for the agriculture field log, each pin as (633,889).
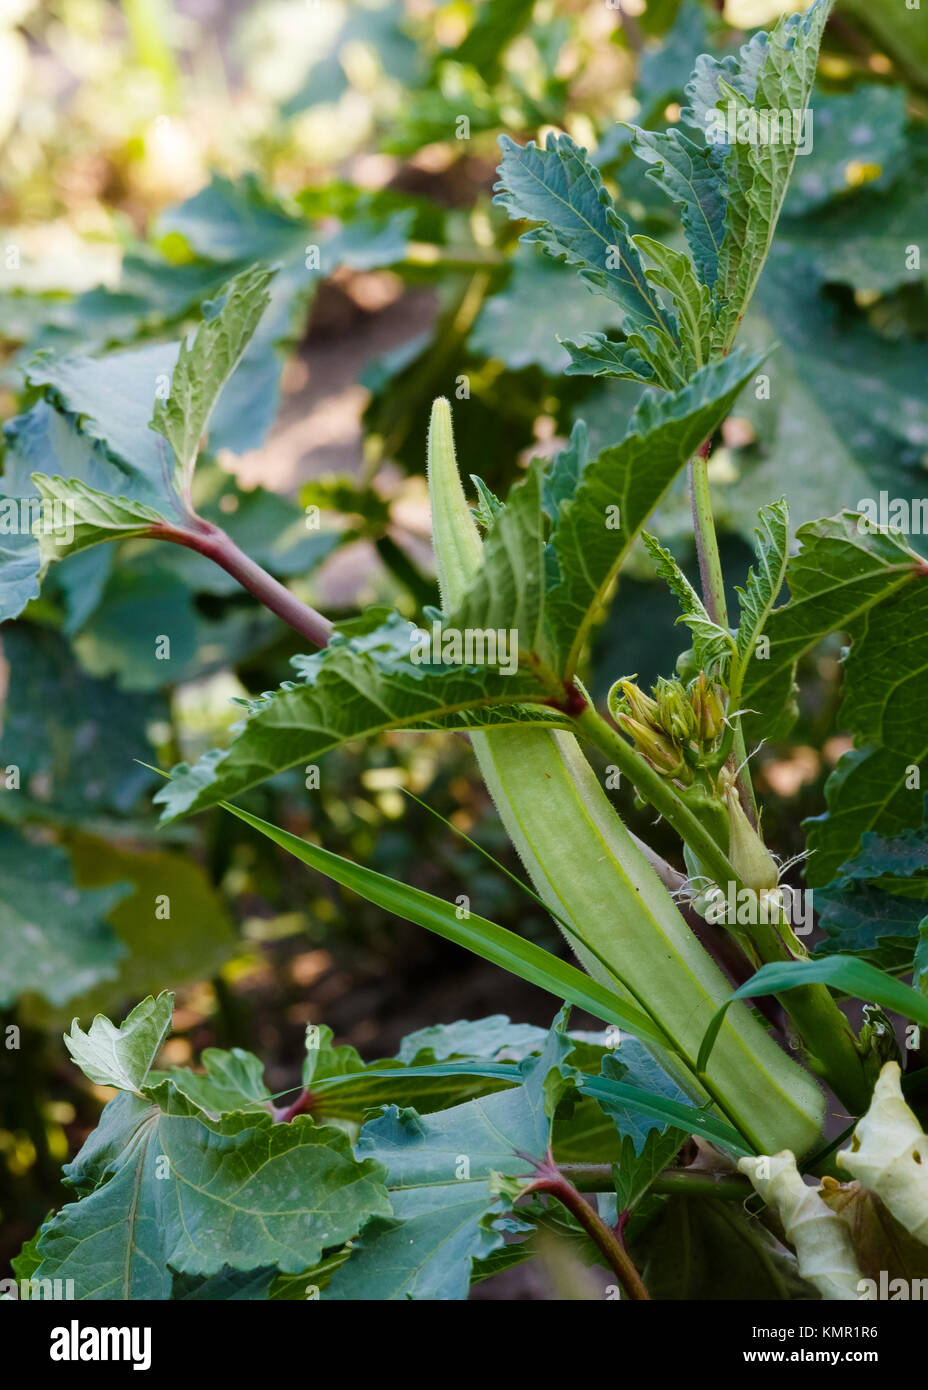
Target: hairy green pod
(587,868)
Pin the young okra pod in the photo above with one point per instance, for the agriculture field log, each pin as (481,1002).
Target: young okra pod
(585,865)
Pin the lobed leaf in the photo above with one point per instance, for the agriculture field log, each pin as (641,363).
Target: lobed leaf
(558,187)
(204,365)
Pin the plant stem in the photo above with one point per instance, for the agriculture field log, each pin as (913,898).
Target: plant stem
(826,1033)
(218,546)
(597,1177)
(824,1028)
(452,258)
(713,594)
(707,546)
(659,792)
(551,1180)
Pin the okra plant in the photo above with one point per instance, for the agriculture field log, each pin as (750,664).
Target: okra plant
(482,1145)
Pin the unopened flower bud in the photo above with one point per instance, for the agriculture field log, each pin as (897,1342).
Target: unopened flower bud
(708,709)
(656,747)
(675,713)
(640,706)
(750,858)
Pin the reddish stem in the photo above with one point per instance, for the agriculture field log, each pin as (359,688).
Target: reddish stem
(301,1106)
(216,545)
(551,1180)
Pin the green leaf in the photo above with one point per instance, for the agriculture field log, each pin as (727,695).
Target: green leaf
(439,1169)
(54,939)
(728,1253)
(595,526)
(843,413)
(848,577)
(228,1286)
(362,683)
(876,904)
(856,131)
(90,517)
(187,1174)
(560,188)
(89,428)
(692,176)
(871,787)
(842,572)
(232,1083)
(123,1056)
(204,365)
(485,939)
(104,403)
(173,924)
(712,645)
(757,173)
(19,567)
(485,1037)
(145,600)
(596,355)
(771,545)
(673,272)
(181,1191)
(617,1098)
(634,1066)
(635,1172)
(885,223)
(74,740)
(28,1260)
(851,976)
(861,919)
(488,505)
(898,863)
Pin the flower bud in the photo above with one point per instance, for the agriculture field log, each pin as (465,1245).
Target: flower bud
(656,747)
(750,858)
(640,706)
(708,709)
(675,713)
(686,665)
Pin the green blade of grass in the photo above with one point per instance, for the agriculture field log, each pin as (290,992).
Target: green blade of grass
(568,927)
(677,1113)
(600,1088)
(856,978)
(484,938)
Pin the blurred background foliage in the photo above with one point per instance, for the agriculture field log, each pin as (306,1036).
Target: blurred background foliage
(153,147)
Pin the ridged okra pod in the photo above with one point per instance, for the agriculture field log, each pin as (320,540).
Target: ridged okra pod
(585,865)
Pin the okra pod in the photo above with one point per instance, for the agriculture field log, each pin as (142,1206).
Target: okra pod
(585,865)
